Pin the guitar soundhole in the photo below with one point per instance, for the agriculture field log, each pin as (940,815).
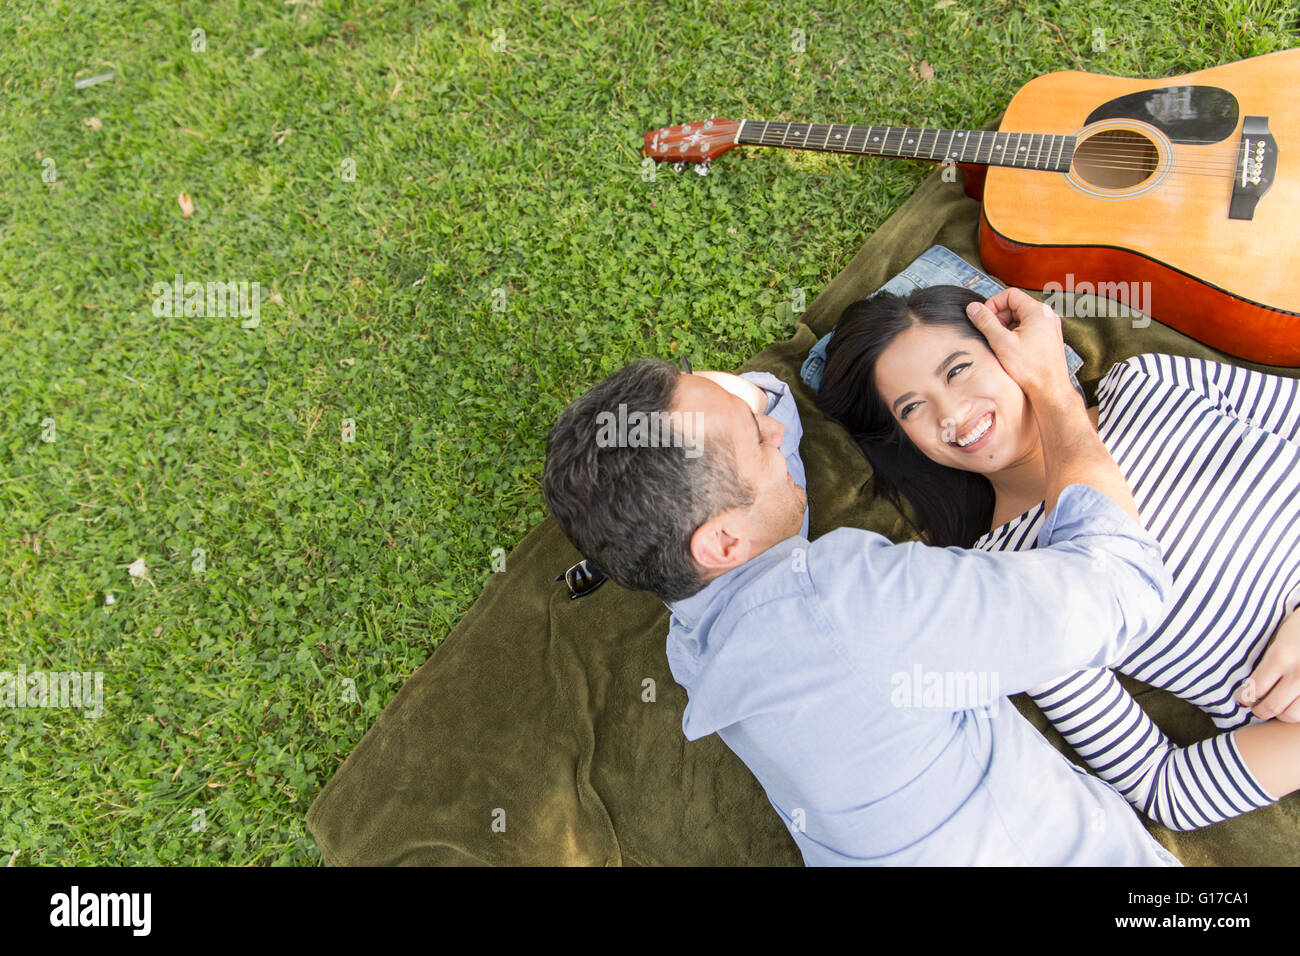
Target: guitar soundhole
(1115,159)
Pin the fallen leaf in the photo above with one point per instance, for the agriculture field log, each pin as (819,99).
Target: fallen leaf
(187,205)
(138,569)
(926,71)
(94,122)
(94,80)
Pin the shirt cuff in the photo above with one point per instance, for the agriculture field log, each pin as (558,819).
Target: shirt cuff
(773,386)
(1082,509)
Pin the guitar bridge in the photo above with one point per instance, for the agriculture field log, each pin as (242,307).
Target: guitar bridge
(1256,164)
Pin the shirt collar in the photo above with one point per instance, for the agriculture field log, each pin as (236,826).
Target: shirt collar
(690,611)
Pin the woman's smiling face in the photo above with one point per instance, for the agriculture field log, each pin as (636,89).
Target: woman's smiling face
(952,398)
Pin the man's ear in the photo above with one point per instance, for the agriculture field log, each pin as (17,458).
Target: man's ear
(720,544)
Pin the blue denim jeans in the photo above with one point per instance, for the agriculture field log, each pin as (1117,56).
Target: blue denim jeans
(938,265)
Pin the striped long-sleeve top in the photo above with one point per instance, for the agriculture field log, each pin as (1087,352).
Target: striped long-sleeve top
(1211,452)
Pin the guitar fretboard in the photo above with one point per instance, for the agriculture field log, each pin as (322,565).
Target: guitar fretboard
(978,147)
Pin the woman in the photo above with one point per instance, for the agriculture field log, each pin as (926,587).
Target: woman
(1212,455)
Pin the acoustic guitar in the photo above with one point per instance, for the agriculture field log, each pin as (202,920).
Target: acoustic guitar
(1177,197)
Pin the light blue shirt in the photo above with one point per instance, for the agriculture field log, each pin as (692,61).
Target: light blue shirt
(864,683)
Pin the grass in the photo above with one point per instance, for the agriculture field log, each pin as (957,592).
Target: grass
(444,202)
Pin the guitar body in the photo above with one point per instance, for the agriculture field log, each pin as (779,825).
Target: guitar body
(1147,200)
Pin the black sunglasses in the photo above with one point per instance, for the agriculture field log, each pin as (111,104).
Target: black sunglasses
(583,578)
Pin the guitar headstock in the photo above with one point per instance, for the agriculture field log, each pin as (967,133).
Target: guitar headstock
(692,142)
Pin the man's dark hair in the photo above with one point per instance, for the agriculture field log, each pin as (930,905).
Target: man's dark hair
(632,510)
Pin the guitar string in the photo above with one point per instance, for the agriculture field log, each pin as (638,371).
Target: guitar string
(1112,150)
(1118,161)
(889,130)
(1117,151)
(1134,154)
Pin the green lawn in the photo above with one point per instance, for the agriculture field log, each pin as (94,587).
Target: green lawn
(381,169)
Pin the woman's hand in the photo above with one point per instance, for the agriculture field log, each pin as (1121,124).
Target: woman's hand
(1273,688)
(1025,335)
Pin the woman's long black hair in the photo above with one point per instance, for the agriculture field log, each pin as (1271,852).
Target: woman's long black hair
(954,507)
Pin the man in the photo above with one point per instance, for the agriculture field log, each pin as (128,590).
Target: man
(793,651)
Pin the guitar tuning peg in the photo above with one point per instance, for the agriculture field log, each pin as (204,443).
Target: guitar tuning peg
(702,169)
(677,167)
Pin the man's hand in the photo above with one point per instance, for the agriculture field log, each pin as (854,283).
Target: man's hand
(1273,688)
(1025,335)
(746,391)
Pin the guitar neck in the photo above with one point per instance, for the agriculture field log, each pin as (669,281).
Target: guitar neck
(975,147)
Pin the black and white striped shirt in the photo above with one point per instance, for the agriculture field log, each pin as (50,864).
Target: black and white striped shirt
(1212,454)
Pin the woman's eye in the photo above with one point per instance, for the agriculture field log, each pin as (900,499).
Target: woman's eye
(951,372)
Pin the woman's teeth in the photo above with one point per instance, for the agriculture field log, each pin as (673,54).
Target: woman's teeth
(984,425)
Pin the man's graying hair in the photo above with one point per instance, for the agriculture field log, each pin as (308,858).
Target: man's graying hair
(632,510)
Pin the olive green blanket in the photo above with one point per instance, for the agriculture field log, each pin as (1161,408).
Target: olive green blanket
(548,731)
